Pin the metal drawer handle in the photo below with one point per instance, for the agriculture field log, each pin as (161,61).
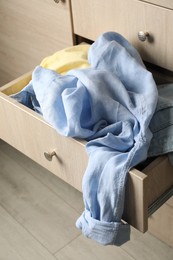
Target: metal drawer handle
(49,155)
(142,36)
(57,1)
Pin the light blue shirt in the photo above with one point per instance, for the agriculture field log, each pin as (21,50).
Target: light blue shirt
(110,105)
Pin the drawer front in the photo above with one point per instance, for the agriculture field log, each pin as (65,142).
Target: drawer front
(114,15)
(31,30)
(29,133)
(147,191)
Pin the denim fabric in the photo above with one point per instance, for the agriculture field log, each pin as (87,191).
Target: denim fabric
(162,124)
(110,105)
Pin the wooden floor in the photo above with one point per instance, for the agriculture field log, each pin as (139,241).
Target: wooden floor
(38,213)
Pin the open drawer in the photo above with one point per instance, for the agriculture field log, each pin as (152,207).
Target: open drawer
(27,131)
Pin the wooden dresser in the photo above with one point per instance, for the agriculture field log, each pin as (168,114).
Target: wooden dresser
(148,26)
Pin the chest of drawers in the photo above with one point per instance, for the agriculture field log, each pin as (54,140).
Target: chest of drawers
(29,133)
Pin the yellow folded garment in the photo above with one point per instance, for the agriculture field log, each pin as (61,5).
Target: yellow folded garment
(75,57)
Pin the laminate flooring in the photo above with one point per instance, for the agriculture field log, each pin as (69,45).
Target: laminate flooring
(38,212)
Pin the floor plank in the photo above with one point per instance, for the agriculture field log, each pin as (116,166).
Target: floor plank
(83,248)
(161,224)
(16,243)
(48,218)
(141,246)
(146,247)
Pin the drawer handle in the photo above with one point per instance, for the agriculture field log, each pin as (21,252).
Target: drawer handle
(49,155)
(57,1)
(142,36)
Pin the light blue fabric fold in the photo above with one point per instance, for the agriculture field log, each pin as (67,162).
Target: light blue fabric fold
(110,105)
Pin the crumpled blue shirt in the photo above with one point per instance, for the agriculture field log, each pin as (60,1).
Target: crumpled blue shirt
(110,105)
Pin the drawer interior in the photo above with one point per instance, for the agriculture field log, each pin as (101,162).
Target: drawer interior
(17,84)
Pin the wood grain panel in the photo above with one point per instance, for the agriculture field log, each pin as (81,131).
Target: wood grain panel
(31,30)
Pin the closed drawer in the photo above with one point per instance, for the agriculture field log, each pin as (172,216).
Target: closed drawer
(128,18)
(29,133)
(30,31)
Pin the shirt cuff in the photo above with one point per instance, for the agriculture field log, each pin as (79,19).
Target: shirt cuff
(105,233)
